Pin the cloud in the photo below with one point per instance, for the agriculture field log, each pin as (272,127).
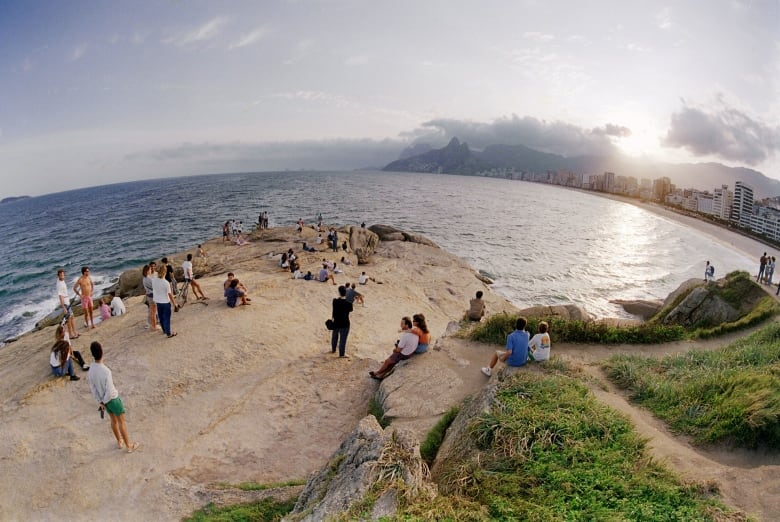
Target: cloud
(724,132)
(538,37)
(205,32)
(250,38)
(610,129)
(556,137)
(663,19)
(332,154)
(78,52)
(360,59)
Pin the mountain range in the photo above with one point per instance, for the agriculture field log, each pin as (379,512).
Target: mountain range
(458,158)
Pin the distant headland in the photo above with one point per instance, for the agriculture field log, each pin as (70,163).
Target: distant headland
(13,198)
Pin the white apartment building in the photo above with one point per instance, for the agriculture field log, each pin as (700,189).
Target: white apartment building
(742,205)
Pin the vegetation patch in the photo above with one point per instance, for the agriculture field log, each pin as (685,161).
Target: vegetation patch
(430,446)
(764,309)
(255,486)
(548,450)
(267,510)
(729,395)
(375,408)
(495,328)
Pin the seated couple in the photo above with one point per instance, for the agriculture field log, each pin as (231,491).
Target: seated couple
(415,338)
(520,349)
(235,291)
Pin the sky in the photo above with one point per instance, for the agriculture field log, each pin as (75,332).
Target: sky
(98,92)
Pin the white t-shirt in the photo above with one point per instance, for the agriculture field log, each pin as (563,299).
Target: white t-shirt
(539,346)
(362,279)
(160,290)
(408,343)
(187,267)
(62,290)
(117,306)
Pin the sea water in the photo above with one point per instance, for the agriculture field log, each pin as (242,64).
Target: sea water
(542,245)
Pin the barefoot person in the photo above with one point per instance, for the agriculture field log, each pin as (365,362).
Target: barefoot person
(516,353)
(62,294)
(84,289)
(404,348)
(101,383)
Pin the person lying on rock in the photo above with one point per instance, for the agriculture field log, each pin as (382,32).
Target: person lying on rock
(404,348)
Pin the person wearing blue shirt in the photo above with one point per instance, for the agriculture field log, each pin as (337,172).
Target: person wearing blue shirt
(516,353)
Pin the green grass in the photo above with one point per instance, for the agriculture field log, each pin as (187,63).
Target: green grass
(430,446)
(268,510)
(375,409)
(729,395)
(548,450)
(255,486)
(495,328)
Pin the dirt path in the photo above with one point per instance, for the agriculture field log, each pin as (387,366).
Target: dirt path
(746,480)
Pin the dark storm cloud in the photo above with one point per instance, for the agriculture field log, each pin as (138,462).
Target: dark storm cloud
(557,137)
(726,133)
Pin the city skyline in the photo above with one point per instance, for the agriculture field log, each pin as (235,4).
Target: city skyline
(97,93)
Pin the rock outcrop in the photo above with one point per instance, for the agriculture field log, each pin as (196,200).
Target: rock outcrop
(388,233)
(640,307)
(697,304)
(369,460)
(569,312)
(362,242)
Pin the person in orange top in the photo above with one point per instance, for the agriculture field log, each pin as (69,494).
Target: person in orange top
(420,329)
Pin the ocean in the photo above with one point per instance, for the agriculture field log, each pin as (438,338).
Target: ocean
(541,244)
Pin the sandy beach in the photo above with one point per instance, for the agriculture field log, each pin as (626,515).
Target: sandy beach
(242,394)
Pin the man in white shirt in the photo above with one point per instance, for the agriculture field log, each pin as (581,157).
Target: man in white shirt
(62,295)
(189,278)
(117,305)
(404,348)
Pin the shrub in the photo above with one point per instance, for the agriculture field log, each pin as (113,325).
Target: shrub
(430,446)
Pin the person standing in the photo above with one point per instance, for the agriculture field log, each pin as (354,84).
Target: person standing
(761,267)
(169,275)
(770,269)
(149,273)
(84,288)
(340,314)
(62,294)
(162,295)
(190,278)
(707,272)
(101,383)
(516,353)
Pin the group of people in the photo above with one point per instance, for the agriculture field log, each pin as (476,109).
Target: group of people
(766,270)
(414,339)
(521,347)
(262,220)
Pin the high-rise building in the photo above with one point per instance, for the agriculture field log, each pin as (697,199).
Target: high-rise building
(742,205)
(722,201)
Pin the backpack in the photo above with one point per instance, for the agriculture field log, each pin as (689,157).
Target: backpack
(712,270)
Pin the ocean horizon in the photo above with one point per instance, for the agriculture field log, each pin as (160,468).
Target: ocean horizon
(541,244)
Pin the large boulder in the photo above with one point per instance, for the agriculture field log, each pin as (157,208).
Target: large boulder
(698,304)
(362,242)
(570,312)
(131,283)
(389,233)
(366,457)
(640,307)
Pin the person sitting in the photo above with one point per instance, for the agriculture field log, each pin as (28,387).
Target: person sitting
(404,349)
(336,269)
(240,241)
(105,310)
(240,286)
(353,295)
(233,294)
(61,334)
(297,274)
(201,252)
(117,305)
(420,329)
(283,261)
(345,261)
(308,276)
(363,279)
(539,345)
(476,308)
(307,248)
(325,275)
(61,362)
(516,353)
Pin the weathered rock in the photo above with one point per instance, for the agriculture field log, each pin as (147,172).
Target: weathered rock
(131,283)
(368,455)
(709,304)
(418,390)
(388,233)
(642,308)
(362,242)
(570,312)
